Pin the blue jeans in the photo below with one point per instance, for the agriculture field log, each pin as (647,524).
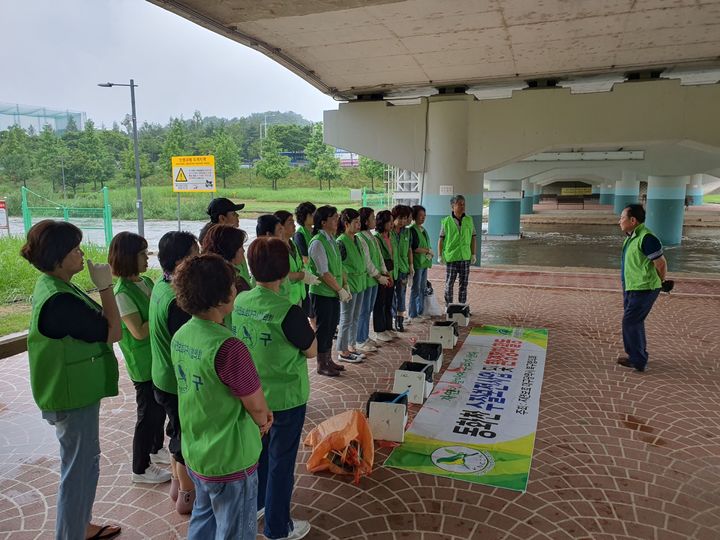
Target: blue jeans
(417,292)
(77,430)
(276,470)
(399,290)
(363,331)
(349,318)
(637,306)
(224,510)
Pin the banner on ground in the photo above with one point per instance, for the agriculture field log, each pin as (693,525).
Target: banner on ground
(479,422)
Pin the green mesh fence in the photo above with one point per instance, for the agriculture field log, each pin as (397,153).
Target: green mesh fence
(83,218)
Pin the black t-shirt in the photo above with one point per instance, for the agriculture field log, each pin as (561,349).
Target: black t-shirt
(176,317)
(297,329)
(414,239)
(66,315)
(299,240)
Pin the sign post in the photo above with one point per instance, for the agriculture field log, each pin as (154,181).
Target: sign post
(192,174)
(4,222)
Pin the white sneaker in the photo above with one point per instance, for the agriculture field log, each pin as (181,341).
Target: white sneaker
(152,475)
(407,321)
(381,336)
(161,458)
(372,342)
(392,334)
(300,530)
(350,358)
(260,513)
(365,347)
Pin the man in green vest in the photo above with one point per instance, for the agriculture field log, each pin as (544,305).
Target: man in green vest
(456,248)
(222,211)
(643,269)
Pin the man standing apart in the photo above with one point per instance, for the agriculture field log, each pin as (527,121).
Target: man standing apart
(222,211)
(642,270)
(456,248)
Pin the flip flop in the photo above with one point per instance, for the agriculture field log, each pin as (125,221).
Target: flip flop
(100,536)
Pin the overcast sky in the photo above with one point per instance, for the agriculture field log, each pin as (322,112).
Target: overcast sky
(54,52)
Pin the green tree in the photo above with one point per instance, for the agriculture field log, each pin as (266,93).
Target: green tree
(128,164)
(176,144)
(48,152)
(272,164)
(315,147)
(372,169)
(227,156)
(328,168)
(15,155)
(97,161)
(292,138)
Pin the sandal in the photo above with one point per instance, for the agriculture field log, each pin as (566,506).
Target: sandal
(104,533)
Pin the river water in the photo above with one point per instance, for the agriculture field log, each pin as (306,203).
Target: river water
(590,246)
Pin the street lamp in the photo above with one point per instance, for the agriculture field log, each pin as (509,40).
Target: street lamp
(140,219)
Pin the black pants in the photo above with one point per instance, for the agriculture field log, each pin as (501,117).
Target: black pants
(169,402)
(382,311)
(149,436)
(637,306)
(307,306)
(327,317)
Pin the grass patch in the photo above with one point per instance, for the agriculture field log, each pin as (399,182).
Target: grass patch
(15,320)
(712,199)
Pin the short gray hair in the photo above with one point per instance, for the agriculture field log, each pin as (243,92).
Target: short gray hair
(456,198)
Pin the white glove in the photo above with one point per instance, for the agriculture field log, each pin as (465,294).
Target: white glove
(344,295)
(382,280)
(309,278)
(430,253)
(100,274)
(473,259)
(440,260)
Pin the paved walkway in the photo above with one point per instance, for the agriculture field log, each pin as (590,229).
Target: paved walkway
(619,455)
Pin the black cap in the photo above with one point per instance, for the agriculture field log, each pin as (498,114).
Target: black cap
(218,207)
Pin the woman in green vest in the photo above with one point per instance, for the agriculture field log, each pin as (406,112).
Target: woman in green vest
(377,276)
(422,260)
(304,217)
(166,317)
(299,277)
(223,411)
(382,311)
(401,234)
(326,264)
(72,366)
(128,258)
(353,265)
(280,340)
(229,243)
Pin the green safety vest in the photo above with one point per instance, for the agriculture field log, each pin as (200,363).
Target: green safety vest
(421,260)
(334,266)
(219,437)
(354,264)
(137,352)
(456,246)
(257,320)
(244,272)
(386,254)
(67,373)
(402,239)
(639,271)
(294,291)
(163,375)
(375,257)
(307,235)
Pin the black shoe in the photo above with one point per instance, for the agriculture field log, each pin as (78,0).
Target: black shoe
(399,324)
(625,362)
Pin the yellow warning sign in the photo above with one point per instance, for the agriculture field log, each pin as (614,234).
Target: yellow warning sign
(193,174)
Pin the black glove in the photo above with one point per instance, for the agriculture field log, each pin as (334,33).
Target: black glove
(667,285)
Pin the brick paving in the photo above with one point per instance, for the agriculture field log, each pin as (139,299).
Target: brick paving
(619,455)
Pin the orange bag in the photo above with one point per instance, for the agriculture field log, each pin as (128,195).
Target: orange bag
(342,444)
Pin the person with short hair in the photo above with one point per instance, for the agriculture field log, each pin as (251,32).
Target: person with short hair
(299,277)
(166,317)
(326,265)
(354,268)
(222,408)
(401,215)
(304,216)
(280,339)
(128,258)
(422,261)
(229,243)
(643,270)
(72,366)
(222,211)
(382,311)
(377,276)
(456,249)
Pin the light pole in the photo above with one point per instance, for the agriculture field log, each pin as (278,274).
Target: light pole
(140,218)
